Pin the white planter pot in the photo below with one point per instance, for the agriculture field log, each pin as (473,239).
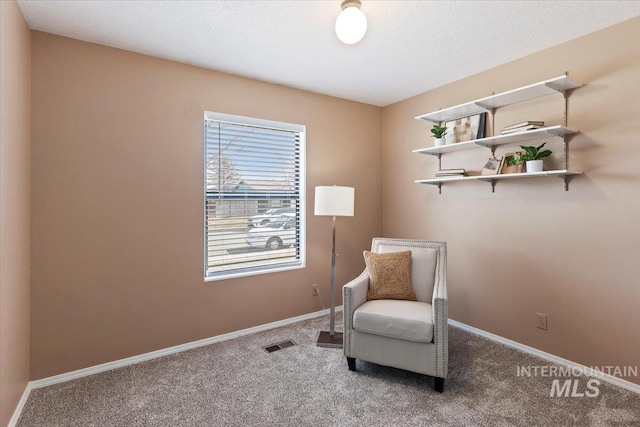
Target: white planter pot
(439,142)
(534,166)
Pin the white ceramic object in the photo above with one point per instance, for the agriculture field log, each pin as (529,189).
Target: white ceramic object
(534,166)
(439,142)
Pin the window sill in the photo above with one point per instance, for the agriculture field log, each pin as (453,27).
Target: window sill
(232,275)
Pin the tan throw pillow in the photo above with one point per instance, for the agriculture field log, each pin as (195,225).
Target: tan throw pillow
(389,275)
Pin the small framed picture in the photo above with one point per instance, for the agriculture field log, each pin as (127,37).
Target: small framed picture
(492,167)
(465,128)
(512,163)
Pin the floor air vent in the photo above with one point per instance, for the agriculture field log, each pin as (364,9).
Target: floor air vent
(279,346)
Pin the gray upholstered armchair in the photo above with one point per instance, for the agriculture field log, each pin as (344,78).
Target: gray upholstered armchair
(410,335)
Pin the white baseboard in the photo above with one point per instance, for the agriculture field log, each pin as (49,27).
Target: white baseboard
(171,350)
(18,411)
(628,385)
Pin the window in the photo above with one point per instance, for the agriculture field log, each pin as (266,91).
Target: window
(254,196)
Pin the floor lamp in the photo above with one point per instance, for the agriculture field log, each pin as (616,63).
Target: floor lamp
(333,201)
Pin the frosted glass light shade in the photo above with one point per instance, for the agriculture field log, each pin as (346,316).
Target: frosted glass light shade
(351,25)
(334,201)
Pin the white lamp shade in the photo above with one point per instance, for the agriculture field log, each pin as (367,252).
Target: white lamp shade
(351,25)
(334,201)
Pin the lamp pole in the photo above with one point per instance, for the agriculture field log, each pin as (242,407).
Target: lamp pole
(332,298)
(332,339)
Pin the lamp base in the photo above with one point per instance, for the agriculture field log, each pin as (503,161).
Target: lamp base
(325,340)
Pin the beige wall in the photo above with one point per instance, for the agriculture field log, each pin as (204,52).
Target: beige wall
(532,247)
(15,100)
(117,189)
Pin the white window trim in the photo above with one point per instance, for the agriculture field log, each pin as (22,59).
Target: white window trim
(295,265)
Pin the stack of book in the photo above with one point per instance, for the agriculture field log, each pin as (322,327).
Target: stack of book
(522,126)
(450,172)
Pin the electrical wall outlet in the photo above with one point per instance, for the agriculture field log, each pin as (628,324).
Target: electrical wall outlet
(541,321)
(316,291)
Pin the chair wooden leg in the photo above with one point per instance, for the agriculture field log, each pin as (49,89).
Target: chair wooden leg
(351,361)
(439,384)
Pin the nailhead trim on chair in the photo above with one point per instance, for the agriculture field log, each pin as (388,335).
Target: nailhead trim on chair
(346,312)
(441,312)
(440,309)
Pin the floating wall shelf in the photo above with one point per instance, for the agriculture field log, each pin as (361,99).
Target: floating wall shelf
(525,93)
(494,141)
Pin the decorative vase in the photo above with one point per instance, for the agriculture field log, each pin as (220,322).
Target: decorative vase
(534,166)
(439,142)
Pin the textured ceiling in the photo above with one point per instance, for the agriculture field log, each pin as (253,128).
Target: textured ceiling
(410,46)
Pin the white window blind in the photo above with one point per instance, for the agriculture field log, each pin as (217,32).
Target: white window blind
(254,196)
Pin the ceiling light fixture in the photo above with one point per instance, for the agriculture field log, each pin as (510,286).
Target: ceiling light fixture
(351,23)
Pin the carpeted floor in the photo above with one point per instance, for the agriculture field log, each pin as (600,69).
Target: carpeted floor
(237,383)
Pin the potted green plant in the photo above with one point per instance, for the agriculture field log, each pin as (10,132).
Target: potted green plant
(438,134)
(513,162)
(533,156)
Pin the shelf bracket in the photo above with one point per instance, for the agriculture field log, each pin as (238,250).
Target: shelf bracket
(554,88)
(565,182)
(493,185)
(492,124)
(566,107)
(483,106)
(439,188)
